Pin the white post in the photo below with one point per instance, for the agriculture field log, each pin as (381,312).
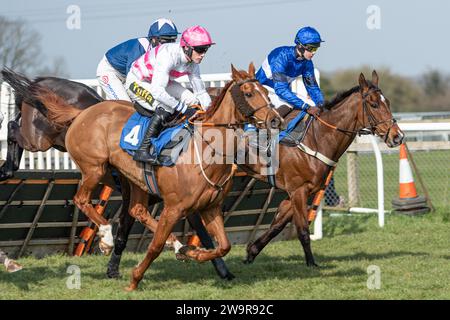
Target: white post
(380,181)
(48,159)
(56,153)
(317,235)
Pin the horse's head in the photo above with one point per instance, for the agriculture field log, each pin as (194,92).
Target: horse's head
(376,112)
(252,100)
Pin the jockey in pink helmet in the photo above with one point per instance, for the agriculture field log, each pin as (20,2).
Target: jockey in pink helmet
(195,39)
(151,82)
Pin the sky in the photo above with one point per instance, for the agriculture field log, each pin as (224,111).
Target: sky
(409,37)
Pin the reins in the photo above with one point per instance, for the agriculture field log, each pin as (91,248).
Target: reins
(246,110)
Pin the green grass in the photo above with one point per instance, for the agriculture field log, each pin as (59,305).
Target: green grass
(413,254)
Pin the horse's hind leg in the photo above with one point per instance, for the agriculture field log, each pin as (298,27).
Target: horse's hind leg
(125,224)
(139,210)
(214,224)
(218,263)
(91,176)
(14,153)
(168,218)
(282,218)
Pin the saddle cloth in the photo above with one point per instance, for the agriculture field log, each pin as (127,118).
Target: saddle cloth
(167,146)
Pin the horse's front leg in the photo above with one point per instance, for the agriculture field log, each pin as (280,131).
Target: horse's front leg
(168,218)
(280,221)
(299,204)
(14,153)
(214,224)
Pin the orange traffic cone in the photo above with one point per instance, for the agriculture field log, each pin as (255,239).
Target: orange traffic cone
(408,201)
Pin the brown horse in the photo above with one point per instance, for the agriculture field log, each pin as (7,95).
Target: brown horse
(34,132)
(93,143)
(362,109)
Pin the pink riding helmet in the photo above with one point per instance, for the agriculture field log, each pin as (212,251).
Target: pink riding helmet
(196,36)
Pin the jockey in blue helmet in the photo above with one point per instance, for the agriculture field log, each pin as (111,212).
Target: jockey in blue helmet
(113,68)
(284,64)
(162,31)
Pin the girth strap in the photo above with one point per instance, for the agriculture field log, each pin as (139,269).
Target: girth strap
(316,155)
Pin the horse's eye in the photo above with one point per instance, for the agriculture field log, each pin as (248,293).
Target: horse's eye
(248,94)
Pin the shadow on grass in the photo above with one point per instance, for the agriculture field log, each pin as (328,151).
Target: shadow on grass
(28,276)
(264,268)
(345,225)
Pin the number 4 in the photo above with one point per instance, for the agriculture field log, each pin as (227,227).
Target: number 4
(132,137)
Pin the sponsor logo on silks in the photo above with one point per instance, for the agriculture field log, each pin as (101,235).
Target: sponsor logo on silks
(142,93)
(105,79)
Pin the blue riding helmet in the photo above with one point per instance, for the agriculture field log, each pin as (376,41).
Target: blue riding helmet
(307,35)
(163,28)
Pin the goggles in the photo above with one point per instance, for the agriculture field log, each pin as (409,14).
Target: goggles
(167,39)
(201,49)
(311,47)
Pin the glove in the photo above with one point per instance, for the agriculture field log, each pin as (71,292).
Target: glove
(314,111)
(181,107)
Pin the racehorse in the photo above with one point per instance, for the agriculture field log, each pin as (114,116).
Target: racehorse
(360,110)
(35,132)
(185,188)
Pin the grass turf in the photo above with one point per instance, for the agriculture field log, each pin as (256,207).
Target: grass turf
(412,254)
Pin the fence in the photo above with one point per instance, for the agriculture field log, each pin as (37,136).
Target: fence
(355,180)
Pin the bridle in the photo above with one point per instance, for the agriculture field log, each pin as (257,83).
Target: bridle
(373,123)
(242,106)
(247,111)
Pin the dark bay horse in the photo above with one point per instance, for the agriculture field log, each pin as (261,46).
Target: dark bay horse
(34,132)
(185,188)
(31,130)
(362,109)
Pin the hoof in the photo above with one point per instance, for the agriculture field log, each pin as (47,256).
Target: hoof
(229,276)
(130,288)
(105,249)
(248,260)
(113,274)
(181,255)
(312,265)
(13,266)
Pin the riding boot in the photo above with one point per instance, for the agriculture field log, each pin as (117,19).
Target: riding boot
(154,128)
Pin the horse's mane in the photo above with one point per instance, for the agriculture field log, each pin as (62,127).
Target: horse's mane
(340,96)
(215,104)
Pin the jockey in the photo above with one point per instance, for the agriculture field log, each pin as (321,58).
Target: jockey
(113,68)
(284,64)
(150,82)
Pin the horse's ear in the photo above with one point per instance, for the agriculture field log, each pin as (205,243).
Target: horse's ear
(362,82)
(375,78)
(235,75)
(251,70)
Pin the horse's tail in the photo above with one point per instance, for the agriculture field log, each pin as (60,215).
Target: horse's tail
(58,110)
(19,83)
(22,90)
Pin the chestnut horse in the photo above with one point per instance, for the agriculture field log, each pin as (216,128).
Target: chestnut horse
(34,132)
(186,188)
(360,110)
